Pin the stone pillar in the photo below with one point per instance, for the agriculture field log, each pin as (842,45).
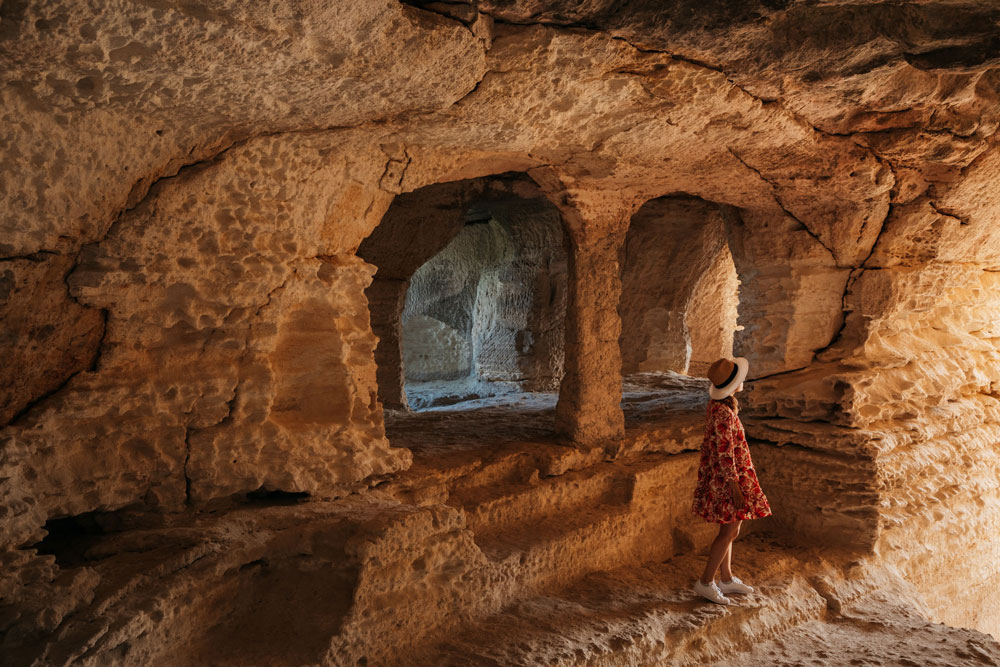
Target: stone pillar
(589,408)
(385,303)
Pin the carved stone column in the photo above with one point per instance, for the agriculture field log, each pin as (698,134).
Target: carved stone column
(589,407)
(385,302)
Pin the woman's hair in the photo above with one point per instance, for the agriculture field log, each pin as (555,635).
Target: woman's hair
(730,402)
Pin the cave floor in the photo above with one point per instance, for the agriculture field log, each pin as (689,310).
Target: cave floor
(804,612)
(526,495)
(278,585)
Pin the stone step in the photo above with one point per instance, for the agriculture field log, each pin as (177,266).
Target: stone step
(360,581)
(492,508)
(563,527)
(810,607)
(568,545)
(509,467)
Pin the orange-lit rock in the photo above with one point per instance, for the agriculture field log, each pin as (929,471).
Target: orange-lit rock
(210,219)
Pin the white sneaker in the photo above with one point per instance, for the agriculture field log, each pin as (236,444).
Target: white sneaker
(710,592)
(735,586)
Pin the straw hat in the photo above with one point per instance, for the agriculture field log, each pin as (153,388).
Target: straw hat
(726,376)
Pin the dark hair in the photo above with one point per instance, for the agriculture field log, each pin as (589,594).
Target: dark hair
(730,402)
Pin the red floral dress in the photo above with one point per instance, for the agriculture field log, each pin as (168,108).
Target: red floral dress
(725,455)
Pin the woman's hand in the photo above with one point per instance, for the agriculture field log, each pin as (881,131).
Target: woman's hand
(738,500)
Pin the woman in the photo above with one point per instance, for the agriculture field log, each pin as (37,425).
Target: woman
(728,491)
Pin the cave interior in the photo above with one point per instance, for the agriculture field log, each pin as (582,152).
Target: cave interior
(376,333)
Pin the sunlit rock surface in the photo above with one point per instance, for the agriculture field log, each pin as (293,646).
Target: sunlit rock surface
(211,219)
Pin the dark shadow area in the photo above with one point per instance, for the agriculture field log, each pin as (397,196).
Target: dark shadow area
(70,538)
(271,497)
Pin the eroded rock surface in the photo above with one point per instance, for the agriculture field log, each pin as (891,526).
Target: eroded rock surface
(209,219)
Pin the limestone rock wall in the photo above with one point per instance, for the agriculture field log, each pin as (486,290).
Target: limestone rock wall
(235,351)
(189,196)
(495,291)
(521,303)
(791,292)
(712,318)
(432,350)
(48,337)
(670,247)
(446,290)
(490,304)
(912,377)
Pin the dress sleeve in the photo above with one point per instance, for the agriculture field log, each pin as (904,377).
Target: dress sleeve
(726,436)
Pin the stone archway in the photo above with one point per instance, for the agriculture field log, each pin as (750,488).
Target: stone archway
(679,287)
(470,285)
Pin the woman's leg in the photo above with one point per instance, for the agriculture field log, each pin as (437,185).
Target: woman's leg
(727,533)
(725,569)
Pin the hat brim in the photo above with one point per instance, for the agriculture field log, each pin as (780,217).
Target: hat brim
(742,367)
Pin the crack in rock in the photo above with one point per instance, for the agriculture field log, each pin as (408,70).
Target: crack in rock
(36,257)
(948,213)
(777,200)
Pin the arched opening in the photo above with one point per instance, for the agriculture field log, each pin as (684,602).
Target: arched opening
(680,290)
(469,297)
(678,310)
(712,315)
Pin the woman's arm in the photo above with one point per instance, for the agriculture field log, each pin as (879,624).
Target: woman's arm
(728,432)
(725,431)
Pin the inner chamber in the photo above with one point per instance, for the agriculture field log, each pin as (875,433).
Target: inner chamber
(680,291)
(484,316)
(469,296)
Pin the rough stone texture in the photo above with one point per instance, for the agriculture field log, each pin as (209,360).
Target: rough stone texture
(588,410)
(432,350)
(536,562)
(194,200)
(492,301)
(791,293)
(670,248)
(229,362)
(83,82)
(47,336)
(500,286)
(521,304)
(712,318)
